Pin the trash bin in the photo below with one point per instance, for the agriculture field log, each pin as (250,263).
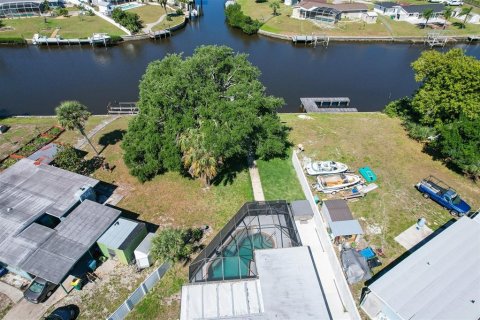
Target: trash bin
(92,265)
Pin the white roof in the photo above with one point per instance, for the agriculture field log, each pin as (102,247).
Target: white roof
(441,280)
(371,14)
(282,291)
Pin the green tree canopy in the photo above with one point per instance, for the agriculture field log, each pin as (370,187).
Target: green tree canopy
(72,115)
(450,87)
(68,158)
(214,94)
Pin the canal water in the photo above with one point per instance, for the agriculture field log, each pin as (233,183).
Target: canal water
(35,80)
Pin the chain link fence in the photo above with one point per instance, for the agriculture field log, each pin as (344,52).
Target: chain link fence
(139,293)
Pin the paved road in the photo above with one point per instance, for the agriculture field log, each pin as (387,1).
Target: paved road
(25,310)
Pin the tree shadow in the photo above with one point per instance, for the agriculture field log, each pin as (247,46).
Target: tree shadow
(229,171)
(111,138)
(430,149)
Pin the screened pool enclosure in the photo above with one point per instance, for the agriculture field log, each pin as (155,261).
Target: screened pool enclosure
(257,225)
(23,8)
(321,14)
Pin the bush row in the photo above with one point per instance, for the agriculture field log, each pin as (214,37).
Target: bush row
(129,20)
(237,19)
(12,40)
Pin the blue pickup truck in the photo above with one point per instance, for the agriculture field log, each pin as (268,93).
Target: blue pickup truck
(441,193)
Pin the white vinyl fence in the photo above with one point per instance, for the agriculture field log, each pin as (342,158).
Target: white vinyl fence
(343,288)
(139,293)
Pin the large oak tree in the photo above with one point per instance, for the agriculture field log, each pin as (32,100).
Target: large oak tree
(215,94)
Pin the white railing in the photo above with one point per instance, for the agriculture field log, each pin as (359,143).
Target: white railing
(343,289)
(139,293)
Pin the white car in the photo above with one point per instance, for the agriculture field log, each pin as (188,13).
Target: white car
(454,3)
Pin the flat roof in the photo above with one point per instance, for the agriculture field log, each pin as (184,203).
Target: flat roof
(281,291)
(146,244)
(301,208)
(440,280)
(60,248)
(46,154)
(338,210)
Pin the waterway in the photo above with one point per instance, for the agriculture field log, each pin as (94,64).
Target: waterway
(34,80)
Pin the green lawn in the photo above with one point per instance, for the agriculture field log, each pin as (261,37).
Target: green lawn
(71,27)
(148,13)
(279,180)
(166,24)
(397,160)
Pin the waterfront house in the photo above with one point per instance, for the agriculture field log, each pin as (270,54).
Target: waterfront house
(25,8)
(416,11)
(319,11)
(386,8)
(440,280)
(49,220)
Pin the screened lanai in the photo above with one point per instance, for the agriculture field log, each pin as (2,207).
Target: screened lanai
(322,14)
(257,225)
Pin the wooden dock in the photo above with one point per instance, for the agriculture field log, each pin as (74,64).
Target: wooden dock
(96,39)
(159,34)
(327,105)
(312,40)
(122,108)
(473,38)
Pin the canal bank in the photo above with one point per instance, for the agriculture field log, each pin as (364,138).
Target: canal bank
(34,80)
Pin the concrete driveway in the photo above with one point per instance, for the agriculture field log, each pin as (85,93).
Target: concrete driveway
(25,310)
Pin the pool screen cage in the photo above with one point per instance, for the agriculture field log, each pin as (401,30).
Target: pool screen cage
(257,225)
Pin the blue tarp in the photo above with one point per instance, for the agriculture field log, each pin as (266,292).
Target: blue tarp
(368,253)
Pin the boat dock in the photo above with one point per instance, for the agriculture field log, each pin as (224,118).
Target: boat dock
(327,105)
(473,38)
(122,108)
(96,39)
(159,34)
(312,40)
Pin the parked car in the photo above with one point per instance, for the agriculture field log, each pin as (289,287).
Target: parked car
(39,290)
(438,1)
(444,195)
(69,312)
(454,3)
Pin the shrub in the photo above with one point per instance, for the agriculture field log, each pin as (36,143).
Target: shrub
(61,12)
(116,39)
(236,18)
(12,40)
(179,12)
(129,20)
(67,158)
(419,132)
(171,245)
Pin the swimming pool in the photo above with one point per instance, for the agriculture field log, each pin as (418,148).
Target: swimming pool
(128,6)
(236,263)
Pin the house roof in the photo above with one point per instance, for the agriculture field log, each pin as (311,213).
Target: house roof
(281,291)
(119,234)
(338,210)
(52,253)
(439,280)
(46,154)
(436,7)
(387,4)
(341,7)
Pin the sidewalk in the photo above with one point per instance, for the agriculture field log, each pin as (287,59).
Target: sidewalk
(256,184)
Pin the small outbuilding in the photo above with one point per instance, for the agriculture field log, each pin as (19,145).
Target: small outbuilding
(370,17)
(121,239)
(342,226)
(301,210)
(142,252)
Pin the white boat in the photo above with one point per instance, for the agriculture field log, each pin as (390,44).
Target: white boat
(315,168)
(336,182)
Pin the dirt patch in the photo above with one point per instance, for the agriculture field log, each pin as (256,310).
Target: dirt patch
(5,305)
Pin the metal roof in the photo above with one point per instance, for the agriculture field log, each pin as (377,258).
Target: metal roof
(345,228)
(301,208)
(338,210)
(436,7)
(440,280)
(387,4)
(119,232)
(281,291)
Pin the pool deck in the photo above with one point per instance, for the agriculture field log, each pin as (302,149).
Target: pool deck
(308,235)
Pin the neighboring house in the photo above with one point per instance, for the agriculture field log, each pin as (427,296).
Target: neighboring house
(328,13)
(386,8)
(48,221)
(440,280)
(121,239)
(24,8)
(408,12)
(250,269)
(341,224)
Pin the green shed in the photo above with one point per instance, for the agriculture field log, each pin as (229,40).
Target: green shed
(121,239)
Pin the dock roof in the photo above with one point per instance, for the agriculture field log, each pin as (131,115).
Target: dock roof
(440,280)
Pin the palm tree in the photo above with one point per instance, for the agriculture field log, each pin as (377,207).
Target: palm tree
(163,3)
(427,14)
(447,14)
(465,12)
(72,115)
(196,158)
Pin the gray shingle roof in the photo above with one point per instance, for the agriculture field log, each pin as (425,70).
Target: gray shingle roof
(436,7)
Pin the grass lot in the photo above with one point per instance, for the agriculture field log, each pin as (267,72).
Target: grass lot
(283,24)
(398,161)
(71,27)
(166,24)
(148,13)
(21,131)
(279,180)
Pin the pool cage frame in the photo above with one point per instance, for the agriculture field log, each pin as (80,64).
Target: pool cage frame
(273,218)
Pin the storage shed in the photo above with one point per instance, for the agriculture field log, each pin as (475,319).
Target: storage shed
(142,252)
(121,239)
(342,226)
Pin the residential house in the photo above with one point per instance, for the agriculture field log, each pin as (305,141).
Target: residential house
(319,11)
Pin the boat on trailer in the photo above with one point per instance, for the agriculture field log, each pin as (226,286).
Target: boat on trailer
(337,182)
(315,168)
